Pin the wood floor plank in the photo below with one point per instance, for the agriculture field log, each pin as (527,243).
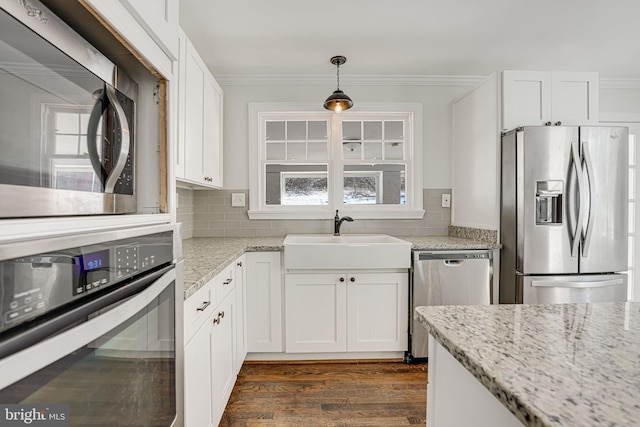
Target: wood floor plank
(348,394)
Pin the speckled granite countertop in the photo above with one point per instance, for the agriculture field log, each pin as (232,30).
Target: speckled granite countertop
(550,365)
(204,257)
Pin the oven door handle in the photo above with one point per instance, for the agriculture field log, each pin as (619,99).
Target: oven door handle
(45,330)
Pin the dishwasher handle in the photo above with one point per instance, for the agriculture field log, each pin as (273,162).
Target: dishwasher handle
(451,255)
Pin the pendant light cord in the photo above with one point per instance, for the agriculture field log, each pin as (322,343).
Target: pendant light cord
(338,65)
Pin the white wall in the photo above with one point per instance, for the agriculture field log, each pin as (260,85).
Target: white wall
(436,102)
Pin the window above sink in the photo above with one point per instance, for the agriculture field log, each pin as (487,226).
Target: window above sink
(306,162)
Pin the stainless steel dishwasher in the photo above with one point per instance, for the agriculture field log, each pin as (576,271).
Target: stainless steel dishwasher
(446,278)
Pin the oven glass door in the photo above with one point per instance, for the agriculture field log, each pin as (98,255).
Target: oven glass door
(115,368)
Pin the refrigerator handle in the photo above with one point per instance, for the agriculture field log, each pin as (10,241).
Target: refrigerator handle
(569,284)
(574,202)
(588,232)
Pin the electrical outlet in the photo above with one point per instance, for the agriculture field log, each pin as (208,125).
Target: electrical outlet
(446,200)
(237,200)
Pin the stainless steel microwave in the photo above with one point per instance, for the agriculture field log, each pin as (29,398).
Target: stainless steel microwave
(67,120)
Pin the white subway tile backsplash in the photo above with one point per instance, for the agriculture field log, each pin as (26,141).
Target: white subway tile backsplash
(210,214)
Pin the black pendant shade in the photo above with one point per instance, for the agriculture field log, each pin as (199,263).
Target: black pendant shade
(338,101)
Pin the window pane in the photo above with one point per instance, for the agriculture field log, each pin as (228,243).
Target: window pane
(317,151)
(296,151)
(374,184)
(275,151)
(361,189)
(631,253)
(317,130)
(632,218)
(393,130)
(83,145)
(393,151)
(351,131)
(67,144)
(372,150)
(67,123)
(275,131)
(632,184)
(632,150)
(352,150)
(291,184)
(306,191)
(84,123)
(296,131)
(373,131)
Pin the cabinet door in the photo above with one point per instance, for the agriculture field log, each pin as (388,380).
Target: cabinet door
(378,312)
(240,313)
(315,313)
(264,302)
(574,97)
(212,132)
(223,355)
(195,72)
(198,375)
(526,98)
(178,91)
(160,19)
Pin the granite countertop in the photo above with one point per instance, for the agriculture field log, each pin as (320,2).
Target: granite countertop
(205,257)
(550,365)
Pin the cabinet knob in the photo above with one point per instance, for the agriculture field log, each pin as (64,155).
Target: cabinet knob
(216,321)
(342,279)
(239,264)
(353,279)
(547,124)
(557,123)
(221,314)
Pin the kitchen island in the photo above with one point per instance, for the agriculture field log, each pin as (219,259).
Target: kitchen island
(548,365)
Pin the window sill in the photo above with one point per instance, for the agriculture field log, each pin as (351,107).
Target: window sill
(355,213)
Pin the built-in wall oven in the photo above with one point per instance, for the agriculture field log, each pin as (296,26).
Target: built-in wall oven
(67,119)
(88,328)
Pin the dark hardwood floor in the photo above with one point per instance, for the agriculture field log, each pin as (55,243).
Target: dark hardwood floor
(349,393)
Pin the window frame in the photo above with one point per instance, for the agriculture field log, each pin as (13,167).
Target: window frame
(409,113)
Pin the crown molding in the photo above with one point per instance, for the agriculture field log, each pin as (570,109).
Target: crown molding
(619,83)
(348,80)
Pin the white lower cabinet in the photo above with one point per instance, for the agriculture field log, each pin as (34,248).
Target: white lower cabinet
(346,312)
(264,302)
(213,328)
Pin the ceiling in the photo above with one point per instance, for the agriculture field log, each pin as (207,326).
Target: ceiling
(414,37)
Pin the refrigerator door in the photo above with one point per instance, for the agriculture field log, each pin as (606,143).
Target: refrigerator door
(545,198)
(604,240)
(573,289)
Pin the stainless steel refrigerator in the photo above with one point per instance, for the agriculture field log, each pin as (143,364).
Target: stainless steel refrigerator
(564,214)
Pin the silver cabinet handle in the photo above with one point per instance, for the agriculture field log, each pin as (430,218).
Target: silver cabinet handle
(204,306)
(226,282)
(577,285)
(125,141)
(239,264)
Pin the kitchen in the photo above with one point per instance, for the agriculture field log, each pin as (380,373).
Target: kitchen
(371,81)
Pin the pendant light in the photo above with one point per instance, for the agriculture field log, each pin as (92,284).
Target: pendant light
(338,101)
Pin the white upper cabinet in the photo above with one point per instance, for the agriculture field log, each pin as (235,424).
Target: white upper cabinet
(149,26)
(549,97)
(199,145)
(160,19)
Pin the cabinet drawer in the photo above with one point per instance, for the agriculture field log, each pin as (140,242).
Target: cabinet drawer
(225,281)
(198,307)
